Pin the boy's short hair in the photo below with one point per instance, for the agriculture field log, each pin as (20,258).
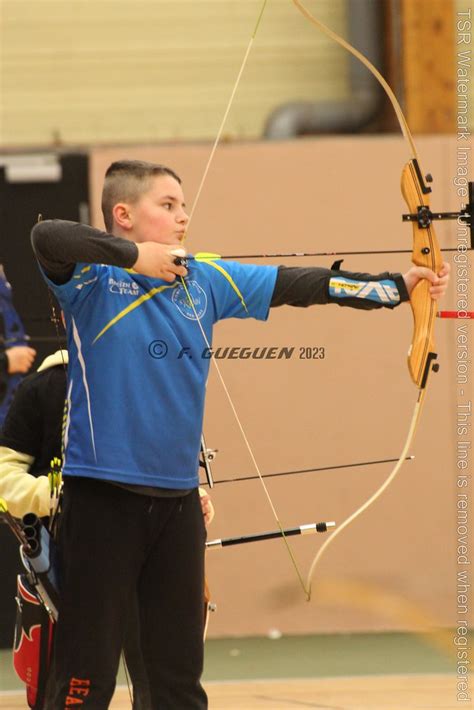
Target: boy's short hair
(126,181)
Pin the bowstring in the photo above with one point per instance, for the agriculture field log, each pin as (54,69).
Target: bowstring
(226,112)
(198,320)
(247,444)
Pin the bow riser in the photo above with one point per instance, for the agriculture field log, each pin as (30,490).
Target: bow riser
(421,355)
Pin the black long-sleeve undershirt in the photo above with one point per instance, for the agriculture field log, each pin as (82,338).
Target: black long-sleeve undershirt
(59,245)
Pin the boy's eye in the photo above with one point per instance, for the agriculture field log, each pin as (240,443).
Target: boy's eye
(168,205)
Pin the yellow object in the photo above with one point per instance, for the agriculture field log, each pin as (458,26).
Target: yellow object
(206,256)
(23,492)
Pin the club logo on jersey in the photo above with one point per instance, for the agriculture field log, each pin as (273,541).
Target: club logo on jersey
(181,300)
(123,288)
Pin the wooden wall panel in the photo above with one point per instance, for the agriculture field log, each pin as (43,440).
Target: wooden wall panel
(428,47)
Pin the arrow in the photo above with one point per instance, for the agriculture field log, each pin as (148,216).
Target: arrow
(307,470)
(455,314)
(204,256)
(271,535)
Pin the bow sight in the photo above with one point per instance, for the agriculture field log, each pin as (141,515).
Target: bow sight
(424,216)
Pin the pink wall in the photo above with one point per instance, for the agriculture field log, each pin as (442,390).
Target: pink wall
(394,568)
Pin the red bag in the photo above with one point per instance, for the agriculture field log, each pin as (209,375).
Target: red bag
(34,630)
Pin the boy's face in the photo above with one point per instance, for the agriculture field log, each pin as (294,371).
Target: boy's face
(159,214)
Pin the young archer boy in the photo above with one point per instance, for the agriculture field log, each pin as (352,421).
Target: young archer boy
(131,514)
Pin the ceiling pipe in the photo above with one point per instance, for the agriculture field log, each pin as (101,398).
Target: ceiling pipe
(366,32)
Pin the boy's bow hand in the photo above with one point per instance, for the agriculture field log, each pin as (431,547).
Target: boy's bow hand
(158,261)
(439,283)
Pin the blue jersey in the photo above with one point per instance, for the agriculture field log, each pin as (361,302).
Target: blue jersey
(138,365)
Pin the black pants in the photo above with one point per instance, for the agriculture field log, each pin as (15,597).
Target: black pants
(115,544)
(132,652)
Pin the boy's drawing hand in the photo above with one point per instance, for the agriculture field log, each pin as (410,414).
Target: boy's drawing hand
(157,261)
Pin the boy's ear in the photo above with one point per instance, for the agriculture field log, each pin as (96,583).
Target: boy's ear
(121,213)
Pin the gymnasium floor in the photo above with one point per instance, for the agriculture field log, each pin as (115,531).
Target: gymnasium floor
(357,672)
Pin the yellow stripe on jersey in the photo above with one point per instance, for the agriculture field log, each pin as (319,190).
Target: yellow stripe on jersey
(226,275)
(132,306)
